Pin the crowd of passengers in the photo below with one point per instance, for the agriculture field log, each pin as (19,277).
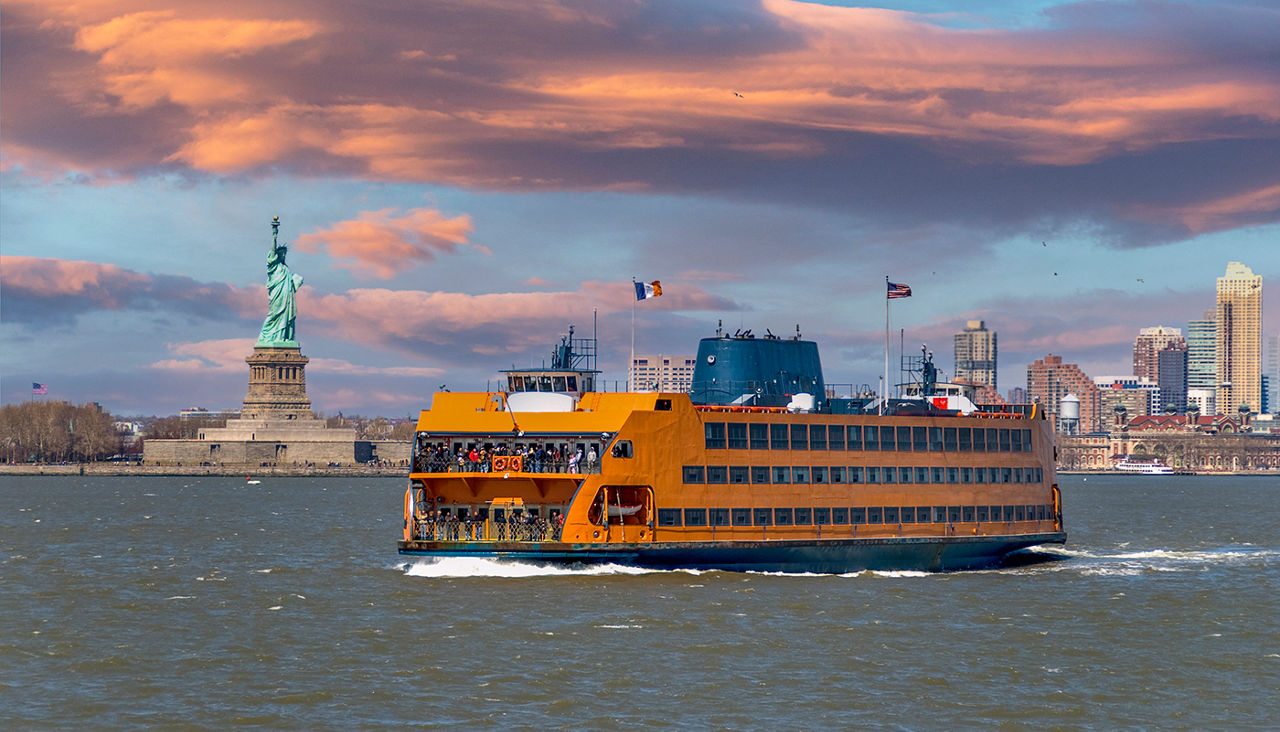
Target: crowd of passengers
(533,459)
(438,525)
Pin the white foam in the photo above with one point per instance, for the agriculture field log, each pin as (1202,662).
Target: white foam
(483,567)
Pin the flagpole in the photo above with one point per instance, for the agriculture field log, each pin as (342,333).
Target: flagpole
(631,365)
(884,392)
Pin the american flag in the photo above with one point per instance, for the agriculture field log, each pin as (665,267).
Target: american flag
(897,290)
(39,389)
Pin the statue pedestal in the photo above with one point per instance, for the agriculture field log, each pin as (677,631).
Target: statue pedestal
(277,385)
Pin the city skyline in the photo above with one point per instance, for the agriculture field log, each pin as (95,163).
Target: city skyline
(458,184)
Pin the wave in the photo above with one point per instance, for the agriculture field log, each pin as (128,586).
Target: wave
(1132,561)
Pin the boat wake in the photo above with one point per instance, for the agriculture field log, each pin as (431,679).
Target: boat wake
(479,567)
(1127,562)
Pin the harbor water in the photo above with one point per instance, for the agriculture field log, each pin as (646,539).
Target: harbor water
(206,602)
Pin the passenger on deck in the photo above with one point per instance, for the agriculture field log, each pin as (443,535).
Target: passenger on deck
(591,460)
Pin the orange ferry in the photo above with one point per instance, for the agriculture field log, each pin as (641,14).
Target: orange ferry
(749,471)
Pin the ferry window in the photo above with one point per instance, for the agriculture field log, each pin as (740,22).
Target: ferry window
(919,439)
(967,514)
(715,435)
(935,439)
(572,382)
(938,476)
(781,474)
(1026,440)
(512,381)
(922,475)
(818,474)
(855,437)
(886,439)
(759,474)
(719,517)
(1039,475)
(544,383)
(1042,513)
(558,381)
(822,516)
(762,516)
(888,475)
(904,475)
(1006,475)
(949,439)
(778,437)
(835,436)
(741,516)
(837,474)
(799,437)
(908,515)
(1020,513)
(965,440)
(717,474)
(966,475)
(804,516)
(694,474)
(839,515)
(953,475)
(759,436)
(1004,441)
(904,438)
(737,435)
(1017,475)
(993,445)
(668,517)
(983,514)
(662,405)
(817,437)
(782,516)
(953,514)
(979,439)
(858,516)
(871,437)
(799,475)
(980,475)
(855,474)
(939,514)
(875,515)
(873,474)
(738,474)
(621,449)
(695,517)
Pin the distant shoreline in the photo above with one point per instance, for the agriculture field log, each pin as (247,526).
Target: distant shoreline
(113,469)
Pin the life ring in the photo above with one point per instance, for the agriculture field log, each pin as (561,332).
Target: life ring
(500,463)
(514,463)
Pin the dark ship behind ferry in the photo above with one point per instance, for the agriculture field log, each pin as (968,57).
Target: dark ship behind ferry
(756,469)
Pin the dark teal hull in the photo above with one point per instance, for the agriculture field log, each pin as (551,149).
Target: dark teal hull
(833,556)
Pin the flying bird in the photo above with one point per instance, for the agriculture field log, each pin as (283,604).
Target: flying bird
(736,94)
(1140,279)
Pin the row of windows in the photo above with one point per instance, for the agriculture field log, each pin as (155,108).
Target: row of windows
(787,474)
(901,438)
(842,516)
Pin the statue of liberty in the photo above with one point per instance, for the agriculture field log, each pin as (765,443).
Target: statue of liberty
(282,285)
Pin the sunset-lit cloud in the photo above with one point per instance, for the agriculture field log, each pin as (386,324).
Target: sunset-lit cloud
(381,243)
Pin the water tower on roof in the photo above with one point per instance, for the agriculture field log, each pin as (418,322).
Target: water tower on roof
(1069,414)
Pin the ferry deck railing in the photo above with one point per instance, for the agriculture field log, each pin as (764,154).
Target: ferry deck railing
(434,463)
(515,528)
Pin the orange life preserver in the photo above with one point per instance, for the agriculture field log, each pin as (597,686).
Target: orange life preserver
(514,463)
(499,463)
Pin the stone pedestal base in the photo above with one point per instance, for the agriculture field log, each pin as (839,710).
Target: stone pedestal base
(277,385)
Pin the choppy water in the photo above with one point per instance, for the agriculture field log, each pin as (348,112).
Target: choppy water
(205,602)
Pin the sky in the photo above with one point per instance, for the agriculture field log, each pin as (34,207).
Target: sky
(458,182)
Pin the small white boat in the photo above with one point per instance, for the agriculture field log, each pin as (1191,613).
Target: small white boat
(1138,467)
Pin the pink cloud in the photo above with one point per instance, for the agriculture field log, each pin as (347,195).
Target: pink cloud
(226,354)
(382,244)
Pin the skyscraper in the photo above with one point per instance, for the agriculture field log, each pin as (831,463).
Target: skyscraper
(1273,373)
(1202,361)
(1151,341)
(1049,380)
(976,354)
(1173,378)
(1239,358)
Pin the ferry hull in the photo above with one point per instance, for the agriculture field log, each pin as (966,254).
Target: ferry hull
(835,556)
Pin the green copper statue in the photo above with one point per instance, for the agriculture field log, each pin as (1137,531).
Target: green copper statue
(282,285)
